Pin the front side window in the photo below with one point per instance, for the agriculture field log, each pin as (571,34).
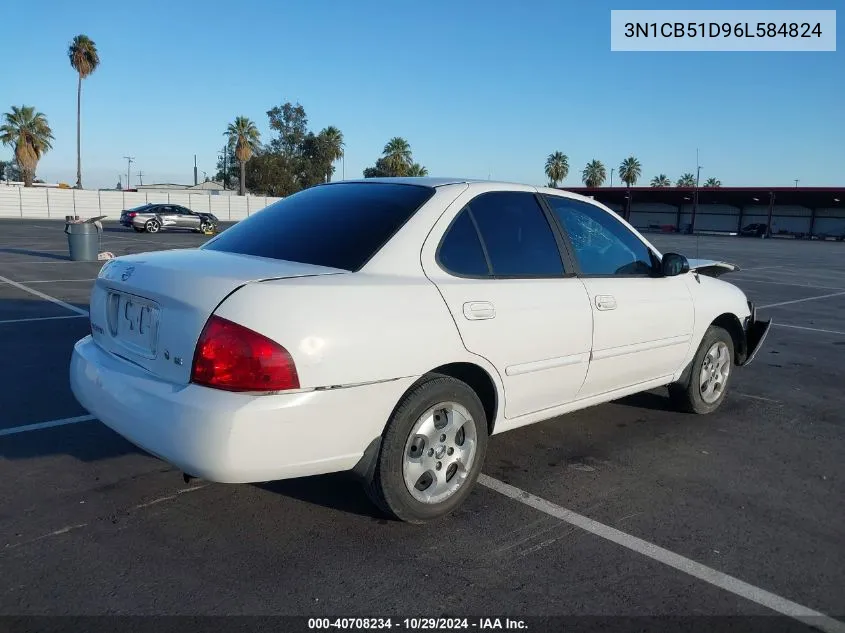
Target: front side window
(602,245)
(517,235)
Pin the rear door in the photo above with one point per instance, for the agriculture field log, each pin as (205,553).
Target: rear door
(497,261)
(642,321)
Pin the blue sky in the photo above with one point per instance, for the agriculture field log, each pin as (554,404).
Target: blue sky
(479,88)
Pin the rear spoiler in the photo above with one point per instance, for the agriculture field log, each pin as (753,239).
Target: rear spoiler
(711,268)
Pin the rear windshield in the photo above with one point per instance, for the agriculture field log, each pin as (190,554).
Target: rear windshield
(341,225)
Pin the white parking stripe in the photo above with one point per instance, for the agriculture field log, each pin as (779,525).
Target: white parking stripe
(46,425)
(786,303)
(811,329)
(697,570)
(53,318)
(747,280)
(55,281)
(43,296)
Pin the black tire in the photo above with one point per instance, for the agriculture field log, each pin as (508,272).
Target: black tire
(386,484)
(686,395)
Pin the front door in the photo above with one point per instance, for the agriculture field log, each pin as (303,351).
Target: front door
(642,322)
(500,270)
(186,219)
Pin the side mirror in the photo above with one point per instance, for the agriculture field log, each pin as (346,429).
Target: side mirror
(673,264)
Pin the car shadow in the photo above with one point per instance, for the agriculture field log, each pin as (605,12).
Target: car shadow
(32,253)
(337,491)
(647,400)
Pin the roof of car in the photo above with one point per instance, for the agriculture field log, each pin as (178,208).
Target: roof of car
(426,181)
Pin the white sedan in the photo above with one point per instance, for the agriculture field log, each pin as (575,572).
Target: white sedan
(391,326)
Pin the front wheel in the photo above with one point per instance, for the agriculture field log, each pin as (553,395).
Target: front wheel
(431,452)
(709,376)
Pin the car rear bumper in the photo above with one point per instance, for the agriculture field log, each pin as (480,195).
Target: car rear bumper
(755,334)
(229,437)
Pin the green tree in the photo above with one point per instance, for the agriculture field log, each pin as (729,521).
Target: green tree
(713,183)
(687,180)
(244,138)
(630,171)
(84,59)
(396,160)
(334,142)
(661,181)
(9,170)
(557,168)
(291,122)
(594,174)
(397,155)
(31,136)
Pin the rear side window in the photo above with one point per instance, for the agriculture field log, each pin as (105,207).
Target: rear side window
(460,252)
(518,238)
(339,226)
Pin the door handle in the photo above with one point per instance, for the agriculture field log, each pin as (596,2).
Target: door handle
(605,302)
(478,310)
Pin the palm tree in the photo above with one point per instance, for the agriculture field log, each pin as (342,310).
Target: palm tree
(334,139)
(557,168)
(713,183)
(244,138)
(84,59)
(687,180)
(629,171)
(30,133)
(397,156)
(417,170)
(661,181)
(594,174)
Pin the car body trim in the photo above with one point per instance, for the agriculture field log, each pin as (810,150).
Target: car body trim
(549,363)
(612,352)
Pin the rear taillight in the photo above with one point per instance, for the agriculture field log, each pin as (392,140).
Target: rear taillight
(234,358)
(132,215)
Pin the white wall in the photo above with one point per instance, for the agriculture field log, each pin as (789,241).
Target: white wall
(43,203)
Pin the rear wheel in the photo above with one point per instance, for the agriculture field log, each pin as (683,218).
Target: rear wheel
(709,377)
(431,452)
(152,226)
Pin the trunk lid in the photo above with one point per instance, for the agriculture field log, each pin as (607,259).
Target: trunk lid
(150,308)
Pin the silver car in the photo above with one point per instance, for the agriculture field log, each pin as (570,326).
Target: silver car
(151,218)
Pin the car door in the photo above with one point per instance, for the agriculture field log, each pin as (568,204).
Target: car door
(497,261)
(642,321)
(187,219)
(167,214)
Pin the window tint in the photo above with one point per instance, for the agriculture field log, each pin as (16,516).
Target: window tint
(602,244)
(517,235)
(341,225)
(460,252)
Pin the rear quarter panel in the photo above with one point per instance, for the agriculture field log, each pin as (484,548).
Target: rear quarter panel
(352,328)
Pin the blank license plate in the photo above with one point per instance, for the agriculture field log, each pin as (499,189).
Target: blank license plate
(134,321)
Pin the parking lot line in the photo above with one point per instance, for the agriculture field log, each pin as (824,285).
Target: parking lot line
(781,283)
(56,281)
(811,329)
(714,577)
(786,303)
(58,302)
(52,318)
(46,425)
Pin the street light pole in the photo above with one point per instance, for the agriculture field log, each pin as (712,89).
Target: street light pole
(611,176)
(129,161)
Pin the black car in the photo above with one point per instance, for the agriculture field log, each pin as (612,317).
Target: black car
(754,230)
(152,218)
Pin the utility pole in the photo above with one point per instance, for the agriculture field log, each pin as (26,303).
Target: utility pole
(140,178)
(796,183)
(129,161)
(195,169)
(611,176)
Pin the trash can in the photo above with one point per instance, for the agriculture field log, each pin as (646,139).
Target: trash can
(83,239)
